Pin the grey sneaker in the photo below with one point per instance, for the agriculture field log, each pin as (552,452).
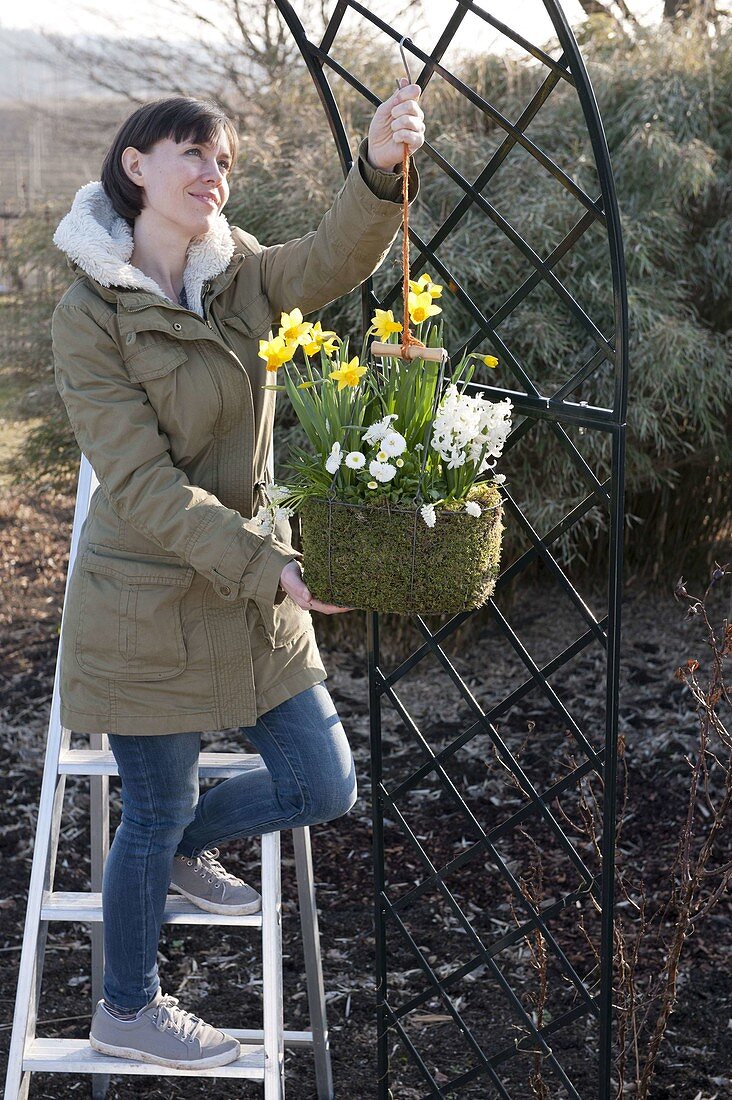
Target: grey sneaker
(204,881)
(162,1033)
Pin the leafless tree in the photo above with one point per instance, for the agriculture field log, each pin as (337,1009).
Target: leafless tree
(230,51)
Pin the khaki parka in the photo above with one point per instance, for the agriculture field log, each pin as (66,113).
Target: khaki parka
(174,620)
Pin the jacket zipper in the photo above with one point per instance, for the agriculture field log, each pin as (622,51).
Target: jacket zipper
(176,305)
(213,326)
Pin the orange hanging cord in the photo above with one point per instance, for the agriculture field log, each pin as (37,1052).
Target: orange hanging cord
(380,348)
(407,337)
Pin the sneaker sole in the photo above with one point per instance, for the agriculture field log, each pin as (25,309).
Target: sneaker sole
(212,907)
(172,1063)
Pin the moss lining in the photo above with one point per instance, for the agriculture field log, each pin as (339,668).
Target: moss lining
(389,560)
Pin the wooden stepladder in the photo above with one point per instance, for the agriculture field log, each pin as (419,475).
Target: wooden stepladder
(262,1050)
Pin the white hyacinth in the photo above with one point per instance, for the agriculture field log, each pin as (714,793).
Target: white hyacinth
(378,430)
(263,520)
(269,515)
(466,427)
(333,460)
(382,471)
(499,478)
(473,508)
(427,512)
(355,460)
(277,509)
(276,493)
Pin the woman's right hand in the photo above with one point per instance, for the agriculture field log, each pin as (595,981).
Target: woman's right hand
(292,581)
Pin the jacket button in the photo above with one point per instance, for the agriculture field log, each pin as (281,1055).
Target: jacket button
(225,590)
(177,326)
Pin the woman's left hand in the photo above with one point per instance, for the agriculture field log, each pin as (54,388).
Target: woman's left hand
(397,120)
(291,580)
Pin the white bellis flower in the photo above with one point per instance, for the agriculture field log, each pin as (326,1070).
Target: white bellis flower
(382,471)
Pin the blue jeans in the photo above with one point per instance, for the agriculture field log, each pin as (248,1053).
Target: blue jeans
(307,777)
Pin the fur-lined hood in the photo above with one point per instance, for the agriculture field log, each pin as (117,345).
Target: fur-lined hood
(99,241)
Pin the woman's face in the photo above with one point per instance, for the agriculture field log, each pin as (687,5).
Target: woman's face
(184,182)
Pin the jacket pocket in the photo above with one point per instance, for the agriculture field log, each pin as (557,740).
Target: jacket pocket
(255,319)
(130,623)
(282,622)
(153,355)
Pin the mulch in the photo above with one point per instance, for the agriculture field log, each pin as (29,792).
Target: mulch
(219,975)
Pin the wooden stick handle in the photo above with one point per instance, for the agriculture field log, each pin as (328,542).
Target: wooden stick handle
(414,351)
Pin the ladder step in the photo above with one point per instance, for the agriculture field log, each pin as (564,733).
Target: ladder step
(86,906)
(220,765)
(77,1056)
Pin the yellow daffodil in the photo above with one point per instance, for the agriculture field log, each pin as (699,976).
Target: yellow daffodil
(383,323)
(424,284)
(490,360)
(275,351)
(293,329)
(317,339)
(421,307)
(348,374)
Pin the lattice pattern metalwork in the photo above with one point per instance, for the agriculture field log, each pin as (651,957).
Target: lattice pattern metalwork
(447,954)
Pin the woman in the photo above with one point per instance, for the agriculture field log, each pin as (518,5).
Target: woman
(181,616)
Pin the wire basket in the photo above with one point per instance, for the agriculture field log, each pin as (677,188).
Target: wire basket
(387,559)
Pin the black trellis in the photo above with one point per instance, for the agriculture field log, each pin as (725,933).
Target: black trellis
(494,1067)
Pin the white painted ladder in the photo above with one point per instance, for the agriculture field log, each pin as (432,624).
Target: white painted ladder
(262,1051)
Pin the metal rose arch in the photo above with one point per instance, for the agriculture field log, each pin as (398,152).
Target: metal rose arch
(496,1024)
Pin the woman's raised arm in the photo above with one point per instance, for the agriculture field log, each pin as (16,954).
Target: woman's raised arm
(350,243)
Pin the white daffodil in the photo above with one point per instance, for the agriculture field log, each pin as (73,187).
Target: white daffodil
(473,508)
(355,460)
(333,460)
(382,471)
(427,512)
(393,444)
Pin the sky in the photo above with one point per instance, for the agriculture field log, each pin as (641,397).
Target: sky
(528,17)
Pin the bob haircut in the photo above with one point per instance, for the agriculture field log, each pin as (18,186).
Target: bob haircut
(181,118)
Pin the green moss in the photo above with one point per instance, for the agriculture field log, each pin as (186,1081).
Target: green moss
(389,560)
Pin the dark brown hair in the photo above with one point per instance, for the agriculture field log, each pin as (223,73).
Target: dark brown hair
(181,118)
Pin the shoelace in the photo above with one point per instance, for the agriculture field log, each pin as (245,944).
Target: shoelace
(183,1023)
(212,865)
